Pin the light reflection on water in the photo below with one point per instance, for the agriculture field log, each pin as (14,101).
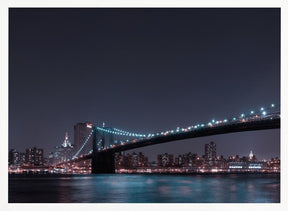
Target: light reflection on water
(147,188)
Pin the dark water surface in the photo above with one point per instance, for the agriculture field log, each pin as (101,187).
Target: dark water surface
(115,188)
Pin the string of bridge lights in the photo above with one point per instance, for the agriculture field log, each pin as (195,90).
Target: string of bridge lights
(263,113)
(87,139)
(120,132)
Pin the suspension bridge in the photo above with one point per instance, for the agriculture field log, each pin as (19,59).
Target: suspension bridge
(103,142)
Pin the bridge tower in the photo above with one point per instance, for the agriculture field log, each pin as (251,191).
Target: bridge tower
(102,162)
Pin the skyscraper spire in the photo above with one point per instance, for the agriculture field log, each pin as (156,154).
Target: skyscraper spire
(66,141)
(251,154)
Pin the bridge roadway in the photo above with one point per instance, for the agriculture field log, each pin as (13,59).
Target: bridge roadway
(201,132)
(103,161)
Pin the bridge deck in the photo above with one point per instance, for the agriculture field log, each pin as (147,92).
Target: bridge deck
(215,130)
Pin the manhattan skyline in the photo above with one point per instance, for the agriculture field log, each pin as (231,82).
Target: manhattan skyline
(142,70)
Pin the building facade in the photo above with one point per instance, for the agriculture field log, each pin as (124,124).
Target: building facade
(210,151)
(165,160)
(14,157)
(81,132)
(34,157)
(63,152)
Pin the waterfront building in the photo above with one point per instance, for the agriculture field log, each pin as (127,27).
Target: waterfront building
(248,166)
(186,160)
(165,160)
(221,162)
(134,159)
(34,156)
(273,165)
(22,157)
(14,157)
(178,160)
(130,160)
(119,161)
(142,160)
(127,160)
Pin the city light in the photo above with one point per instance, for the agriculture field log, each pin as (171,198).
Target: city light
(141,137)
(85,149)
(235,167)
(167,163)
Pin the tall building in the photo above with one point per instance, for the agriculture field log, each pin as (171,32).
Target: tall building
(210,151)
(188,159)
(185,160)
(63,152)
(143,160)
(81,132)
(66,142)
(252,157)
(165,160)
(34,156)
(51,160)
(127,160)
(179,160)
(119,160)
(22,157)
(135,159)
(14,157)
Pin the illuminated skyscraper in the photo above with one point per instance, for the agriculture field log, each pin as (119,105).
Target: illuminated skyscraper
(63,152)
(251,155)
(81,132)
(66,142)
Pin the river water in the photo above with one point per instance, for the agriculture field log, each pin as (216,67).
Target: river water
(123,188)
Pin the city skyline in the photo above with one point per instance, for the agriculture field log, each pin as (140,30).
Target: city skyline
(33,161)
(141,70)
(153,157)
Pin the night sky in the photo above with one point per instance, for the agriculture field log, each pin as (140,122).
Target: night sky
(142,70)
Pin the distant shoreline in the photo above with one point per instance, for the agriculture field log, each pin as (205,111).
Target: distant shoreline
(184,174)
